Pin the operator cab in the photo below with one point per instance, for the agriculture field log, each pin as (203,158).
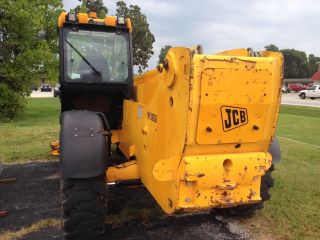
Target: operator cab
(95,64)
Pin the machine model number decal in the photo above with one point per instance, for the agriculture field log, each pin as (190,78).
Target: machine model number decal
(153,117)
(233,117)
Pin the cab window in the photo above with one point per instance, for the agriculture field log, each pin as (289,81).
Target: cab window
(96,56)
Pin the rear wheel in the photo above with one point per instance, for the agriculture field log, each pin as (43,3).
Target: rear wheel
(247,210)
(303,96)
(83,207)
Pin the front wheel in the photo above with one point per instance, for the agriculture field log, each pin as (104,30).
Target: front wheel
(83,207)
(303,96)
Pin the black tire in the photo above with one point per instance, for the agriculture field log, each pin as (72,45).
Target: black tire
(248,210)
(83,208)
(303,96)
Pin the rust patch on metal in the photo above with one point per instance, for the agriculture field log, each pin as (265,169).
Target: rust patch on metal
(251,194)
(226,199)
(225,180)
(226,186)
(224,194)
(200,175)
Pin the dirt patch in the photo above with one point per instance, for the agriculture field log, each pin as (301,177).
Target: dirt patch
(34,197)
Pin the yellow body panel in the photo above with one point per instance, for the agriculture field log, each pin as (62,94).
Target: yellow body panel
(202,126)
(111,21)
(221,180)
(62,19)
(151,124)
(55,148)
(125,171)
(129,24)
(83,18)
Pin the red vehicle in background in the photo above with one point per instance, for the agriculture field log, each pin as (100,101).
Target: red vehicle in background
(297,87)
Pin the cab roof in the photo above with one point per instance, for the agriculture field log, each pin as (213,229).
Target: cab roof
(91,18)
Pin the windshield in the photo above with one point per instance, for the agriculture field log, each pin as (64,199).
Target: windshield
(93,56)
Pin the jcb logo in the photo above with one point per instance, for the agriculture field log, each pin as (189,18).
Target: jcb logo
(233,117)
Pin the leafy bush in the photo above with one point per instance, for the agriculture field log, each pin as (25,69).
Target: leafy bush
(11,103)
(25,59)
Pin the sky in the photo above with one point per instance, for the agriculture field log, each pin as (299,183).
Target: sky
(223,25)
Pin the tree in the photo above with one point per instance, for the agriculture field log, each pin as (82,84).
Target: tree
(272,47)
(122,9)
(142,38)
(313,63)
(295,64)
(82,9)
(93,6)
(163,52)
(25,58)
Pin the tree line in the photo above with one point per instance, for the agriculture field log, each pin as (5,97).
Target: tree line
(296,63)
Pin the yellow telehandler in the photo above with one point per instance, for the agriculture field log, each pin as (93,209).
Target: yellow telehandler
(197,131)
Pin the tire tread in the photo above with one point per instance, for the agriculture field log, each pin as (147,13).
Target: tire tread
(83,207)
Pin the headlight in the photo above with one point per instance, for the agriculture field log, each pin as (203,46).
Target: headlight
(72,17)
(121,20)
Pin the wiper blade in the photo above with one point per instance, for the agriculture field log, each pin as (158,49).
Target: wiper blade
(83,58)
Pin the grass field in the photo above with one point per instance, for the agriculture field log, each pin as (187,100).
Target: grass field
(28,138)
(293,211)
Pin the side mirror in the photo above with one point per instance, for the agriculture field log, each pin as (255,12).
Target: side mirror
(42,35)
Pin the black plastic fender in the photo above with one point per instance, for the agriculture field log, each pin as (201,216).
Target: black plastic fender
(274,150)
(83,147)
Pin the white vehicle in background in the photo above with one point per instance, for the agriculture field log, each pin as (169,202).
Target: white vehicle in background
(312,92)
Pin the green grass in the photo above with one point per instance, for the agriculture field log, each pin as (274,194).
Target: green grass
(29,137)
(293,211)
(300,123)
